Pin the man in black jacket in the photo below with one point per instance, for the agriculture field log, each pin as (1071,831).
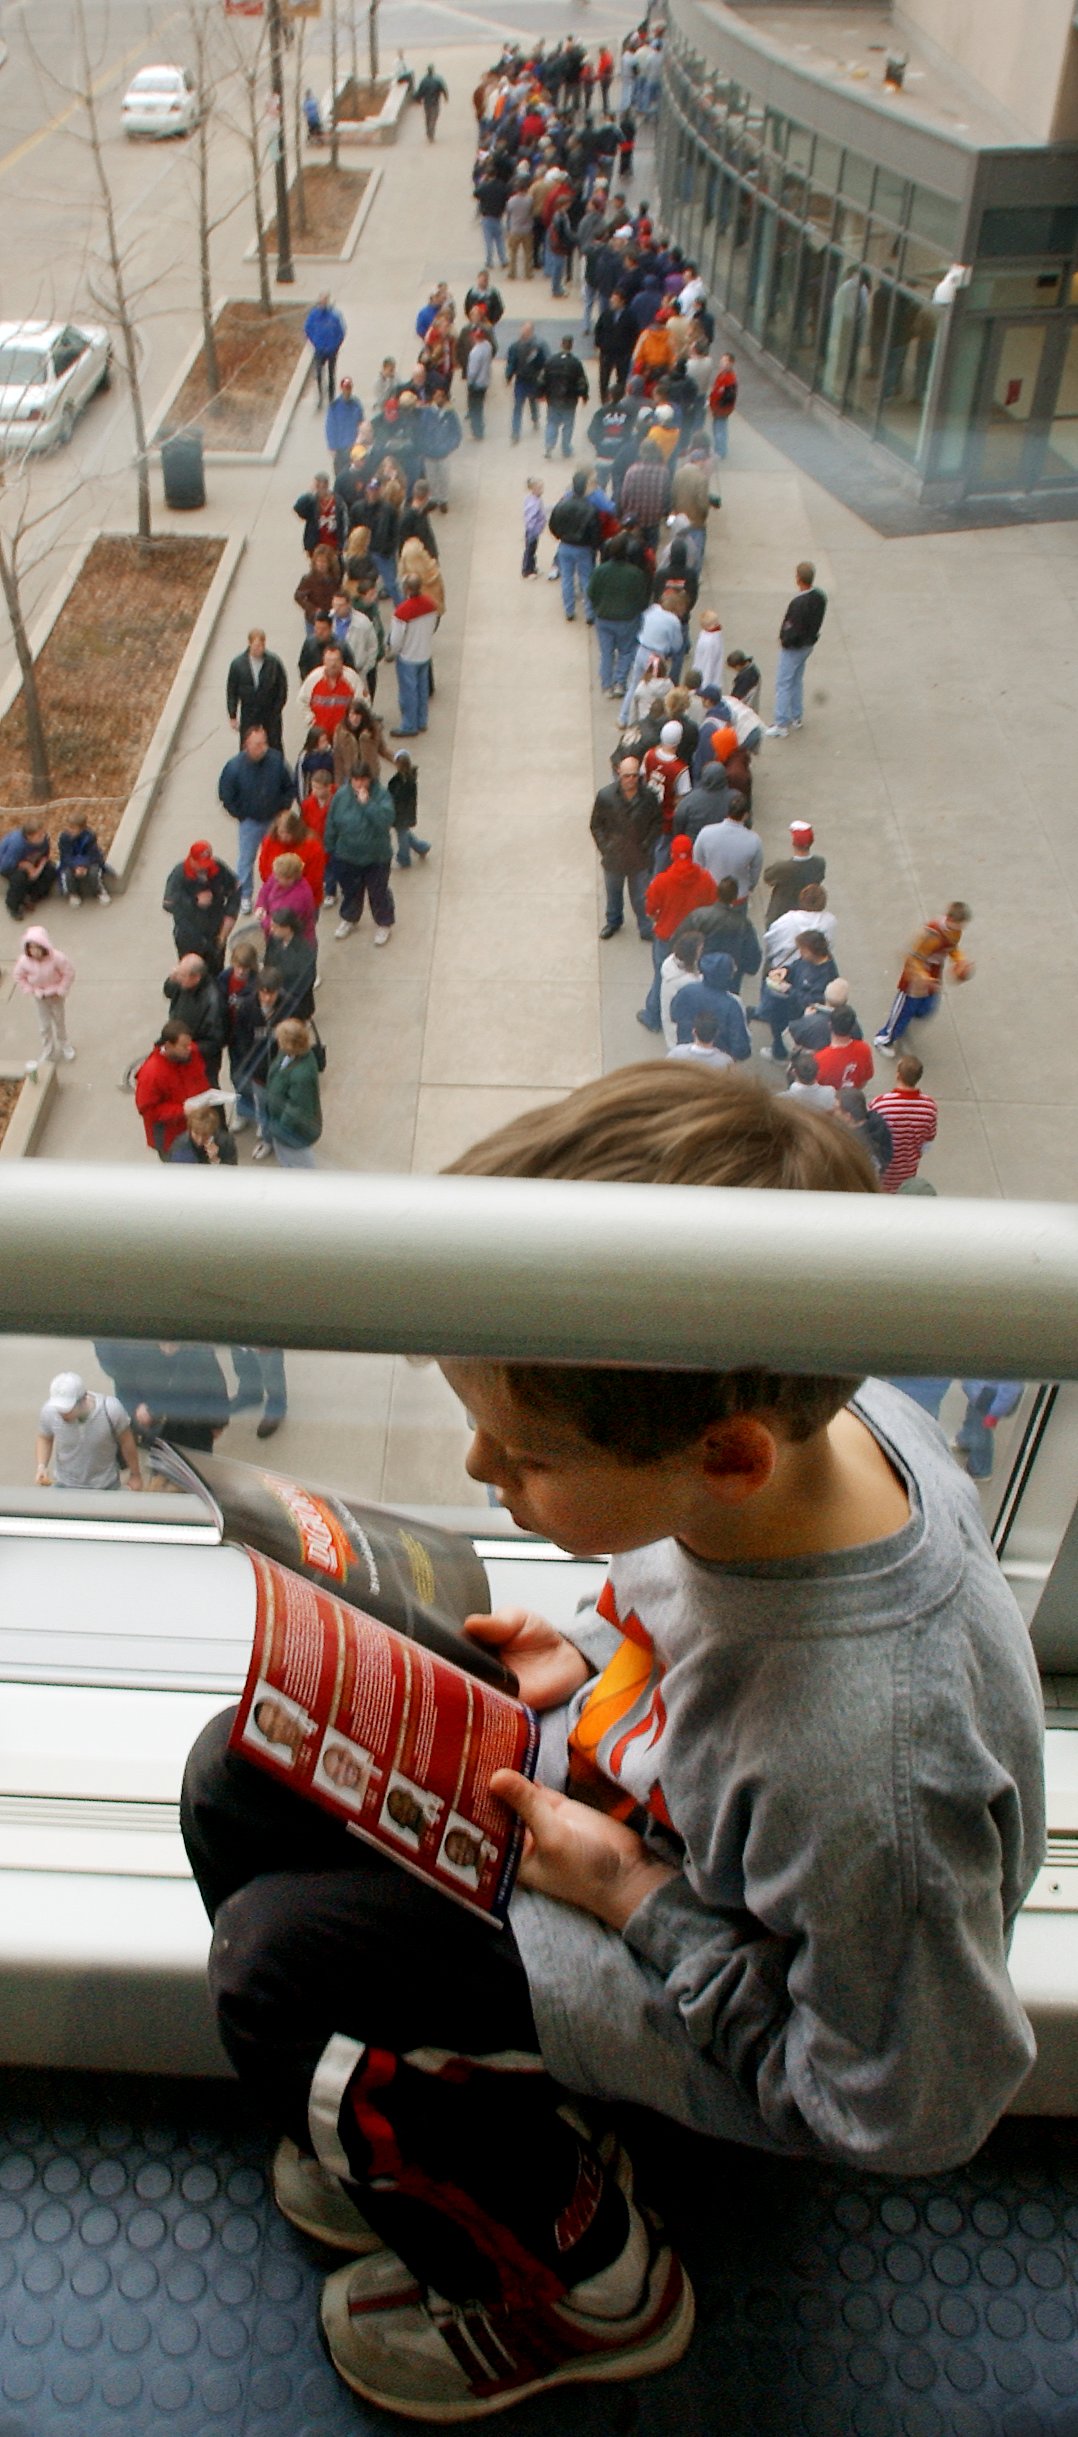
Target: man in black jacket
(576,528)
(615,338)
(313,648)
(492,195)
(256,689)
(798,636)
(524,365)
(563,382)
(203,898)
(254,786)
(481,293)
(626,824)
(195,1002)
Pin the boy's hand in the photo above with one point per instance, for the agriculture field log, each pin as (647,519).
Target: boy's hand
(548,1669)
(581,1856)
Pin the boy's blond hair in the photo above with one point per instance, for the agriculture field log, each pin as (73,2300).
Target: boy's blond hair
(667,1125)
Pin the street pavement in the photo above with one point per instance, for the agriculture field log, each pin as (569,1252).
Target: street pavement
(934,762)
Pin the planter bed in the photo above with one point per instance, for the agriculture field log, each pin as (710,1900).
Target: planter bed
(259,356)
(334,202)
(105,668)
(363,117)
(24,1102)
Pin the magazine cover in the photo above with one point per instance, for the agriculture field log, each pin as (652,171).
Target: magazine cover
(420,1580)
(397,1742)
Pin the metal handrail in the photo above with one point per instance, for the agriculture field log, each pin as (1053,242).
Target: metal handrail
(542,1270)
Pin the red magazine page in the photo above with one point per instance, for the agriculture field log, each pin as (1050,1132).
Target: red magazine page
(395,1741)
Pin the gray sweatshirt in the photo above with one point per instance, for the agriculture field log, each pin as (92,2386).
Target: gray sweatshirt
(729,851)
(849,1749)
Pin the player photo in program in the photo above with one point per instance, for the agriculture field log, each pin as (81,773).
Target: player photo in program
(464,1850)
(346,1769)
(278,1725)
(408,1811)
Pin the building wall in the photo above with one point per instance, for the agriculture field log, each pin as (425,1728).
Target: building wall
(1022,53)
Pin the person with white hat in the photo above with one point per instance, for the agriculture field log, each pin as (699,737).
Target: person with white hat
(83,1440)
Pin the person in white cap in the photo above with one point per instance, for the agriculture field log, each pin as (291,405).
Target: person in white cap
(84,1440)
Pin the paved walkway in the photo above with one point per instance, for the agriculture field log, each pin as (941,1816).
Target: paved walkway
(940,734)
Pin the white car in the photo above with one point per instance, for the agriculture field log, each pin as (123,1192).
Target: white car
(48,370)
(162,101)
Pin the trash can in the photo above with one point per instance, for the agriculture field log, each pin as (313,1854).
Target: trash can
(182,469)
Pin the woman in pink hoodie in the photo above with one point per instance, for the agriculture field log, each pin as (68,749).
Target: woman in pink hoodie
(287,891)
(46,976)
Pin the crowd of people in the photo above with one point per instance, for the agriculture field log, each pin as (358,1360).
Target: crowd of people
(319,819)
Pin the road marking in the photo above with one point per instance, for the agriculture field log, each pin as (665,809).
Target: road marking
(107,77)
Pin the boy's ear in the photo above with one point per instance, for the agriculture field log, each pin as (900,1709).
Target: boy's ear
(737,1458)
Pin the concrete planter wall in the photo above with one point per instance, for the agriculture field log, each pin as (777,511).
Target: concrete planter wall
(379,130)
(27,1120)
(267,455)
(346,251)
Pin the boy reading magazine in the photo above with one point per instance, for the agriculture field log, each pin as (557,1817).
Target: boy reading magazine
(791,1801)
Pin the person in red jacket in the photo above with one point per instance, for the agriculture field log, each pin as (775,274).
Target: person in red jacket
(172,1074)
(722,402)
(671,895)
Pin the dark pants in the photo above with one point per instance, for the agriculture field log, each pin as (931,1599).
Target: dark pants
(477,400)
(530,547)
(23,889)
(357,882)
(325,373)
(316,1937)
(260,1375)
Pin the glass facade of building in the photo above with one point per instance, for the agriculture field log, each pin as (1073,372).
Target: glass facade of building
(830,261)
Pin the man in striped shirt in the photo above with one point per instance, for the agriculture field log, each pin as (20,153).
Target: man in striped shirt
(911,1116)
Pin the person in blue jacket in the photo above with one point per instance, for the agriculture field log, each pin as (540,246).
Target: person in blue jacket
(324,327)
(714,994)
(344,414)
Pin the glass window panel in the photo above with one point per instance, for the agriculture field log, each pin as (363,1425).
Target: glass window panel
(739,268)
(1061,454)
(778,329)
(870,355)
(912,340)
(935,217)
(820,208)
(850,229)
(725,229)
(844,321)
(775,126)
(1029,229)
(962,387)
(761,256)
(799,147)
(857,174)
(808,306)
(923,265)
(1015,291)
(826,163)
(883,249)
(890,197)
(793,191)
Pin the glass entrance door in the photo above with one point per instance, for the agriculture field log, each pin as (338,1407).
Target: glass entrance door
(1009,420)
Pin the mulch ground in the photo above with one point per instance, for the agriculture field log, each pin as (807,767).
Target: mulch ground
(256,355)
(331,203)
(103,678)
(359,101)
(9,1093)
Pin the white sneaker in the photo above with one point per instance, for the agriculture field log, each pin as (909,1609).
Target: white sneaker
(797,723)
(262,1150)
(238,1124)
(380,938)
(32,1067)
(344,930)
(319,2203)
(67,1053)
(245,905)
(886,1049)
(103,897)
(776,731)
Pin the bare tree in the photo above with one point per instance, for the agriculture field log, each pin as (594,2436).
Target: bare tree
(119,293)
(299,124)
(372,40)
(334,131)
(11,587)
(199,32)
(249,59)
